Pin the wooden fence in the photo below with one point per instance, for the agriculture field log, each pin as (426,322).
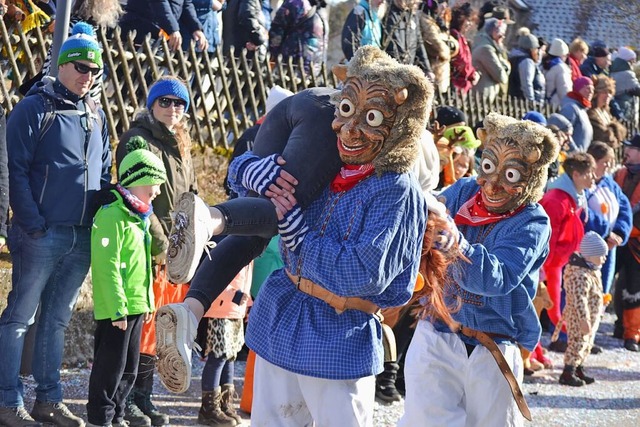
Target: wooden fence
(228,93)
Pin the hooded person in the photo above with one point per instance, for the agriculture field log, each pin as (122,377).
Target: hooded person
(304,320)
(575,106)
(501,233)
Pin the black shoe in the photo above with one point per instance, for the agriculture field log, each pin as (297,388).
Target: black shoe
(55,413)
(134,415)
(569,377)
(631,345)
(17,417)
(596,349)
(580,374)
(143,401)
(558,346)
(618,330)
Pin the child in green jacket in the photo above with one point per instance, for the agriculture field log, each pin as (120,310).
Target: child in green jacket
(122,281)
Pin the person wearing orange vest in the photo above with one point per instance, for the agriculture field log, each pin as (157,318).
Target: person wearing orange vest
(628,285)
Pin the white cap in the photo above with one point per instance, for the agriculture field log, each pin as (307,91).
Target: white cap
(558,48)
(627,54)
(276,94)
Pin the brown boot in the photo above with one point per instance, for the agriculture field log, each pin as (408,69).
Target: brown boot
(210,413)
(228,407)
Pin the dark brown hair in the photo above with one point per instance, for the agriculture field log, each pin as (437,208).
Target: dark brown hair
(600,150)
(579,162)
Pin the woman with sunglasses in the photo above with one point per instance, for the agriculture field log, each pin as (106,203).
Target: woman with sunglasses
(163,126)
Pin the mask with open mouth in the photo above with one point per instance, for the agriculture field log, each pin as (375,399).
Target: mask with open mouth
(513,168)
(381,111)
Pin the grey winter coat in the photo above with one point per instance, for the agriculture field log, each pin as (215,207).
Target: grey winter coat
(577,114)
(627,86)
(489,60)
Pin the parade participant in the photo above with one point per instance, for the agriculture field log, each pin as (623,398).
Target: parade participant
(502,238)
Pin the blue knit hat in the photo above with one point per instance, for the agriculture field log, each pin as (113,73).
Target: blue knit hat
(81,45)
(535,117)
(166,87)
(593,245)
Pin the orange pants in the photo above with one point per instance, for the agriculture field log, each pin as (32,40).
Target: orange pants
(247,391)
(164,293)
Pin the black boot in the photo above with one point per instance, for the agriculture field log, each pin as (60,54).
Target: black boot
(210,413)
(386,383)
(134,415)
(569,377)
(631,345)
(580,374)
(143,388)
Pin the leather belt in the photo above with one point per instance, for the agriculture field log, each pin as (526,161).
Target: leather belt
(339,303)
(486,340)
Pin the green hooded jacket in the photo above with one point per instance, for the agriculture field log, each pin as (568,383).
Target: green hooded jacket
(120,262)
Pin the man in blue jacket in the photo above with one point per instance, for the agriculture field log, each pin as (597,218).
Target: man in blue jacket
(59,152)
(163,18)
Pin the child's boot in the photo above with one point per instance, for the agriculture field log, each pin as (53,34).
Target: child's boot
(210,413)
(228,406)
(569,377)
(580,374)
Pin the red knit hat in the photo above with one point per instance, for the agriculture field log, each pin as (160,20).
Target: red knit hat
(581,82)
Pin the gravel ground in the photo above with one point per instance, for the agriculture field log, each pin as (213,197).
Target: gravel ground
(614,399)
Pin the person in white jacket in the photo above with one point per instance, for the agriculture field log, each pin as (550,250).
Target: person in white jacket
(556,72)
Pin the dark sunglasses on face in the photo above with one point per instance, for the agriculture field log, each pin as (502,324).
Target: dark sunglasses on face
(166,102)
(84,69)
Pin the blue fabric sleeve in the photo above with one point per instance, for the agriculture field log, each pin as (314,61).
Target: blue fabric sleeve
(161,9)
(23,132)
(624,222)
(512,257)
(236,168)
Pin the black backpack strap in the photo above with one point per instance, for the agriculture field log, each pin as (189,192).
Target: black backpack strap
(49,114)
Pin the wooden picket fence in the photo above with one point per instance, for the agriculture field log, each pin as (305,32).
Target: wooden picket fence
(228,93)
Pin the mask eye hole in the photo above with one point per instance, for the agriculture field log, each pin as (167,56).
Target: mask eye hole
(487,166)
(374,118)
(512,175)
(347,108)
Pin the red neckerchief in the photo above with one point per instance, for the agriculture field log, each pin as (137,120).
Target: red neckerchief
(349,176)
(581,99)
(261,119)
(473,212)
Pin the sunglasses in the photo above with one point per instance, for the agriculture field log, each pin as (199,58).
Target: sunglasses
(84,69)
(166,102)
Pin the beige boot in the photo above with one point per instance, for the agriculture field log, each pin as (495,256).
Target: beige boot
(228,406)
(210,413)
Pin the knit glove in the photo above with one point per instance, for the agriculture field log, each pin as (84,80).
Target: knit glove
(258,175)
(293,228)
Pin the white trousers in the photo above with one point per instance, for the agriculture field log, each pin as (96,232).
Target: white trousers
(284,399)
(447,388)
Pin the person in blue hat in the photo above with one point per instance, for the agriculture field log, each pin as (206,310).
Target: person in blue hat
(59,157)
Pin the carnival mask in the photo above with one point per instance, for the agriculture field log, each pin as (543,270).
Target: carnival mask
(381,111)
(364,118)
(513,168)
(503,175)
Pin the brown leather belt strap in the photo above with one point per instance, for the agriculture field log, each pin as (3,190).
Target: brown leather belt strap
(339,303)
(490,344)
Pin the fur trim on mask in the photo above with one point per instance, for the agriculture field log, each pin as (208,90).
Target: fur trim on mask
(400,150)
(531,138)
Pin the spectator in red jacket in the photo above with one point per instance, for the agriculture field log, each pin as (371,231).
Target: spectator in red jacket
(463,74)
(565,202)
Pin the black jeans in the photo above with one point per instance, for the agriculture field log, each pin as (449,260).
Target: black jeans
(299,128)
(115,366)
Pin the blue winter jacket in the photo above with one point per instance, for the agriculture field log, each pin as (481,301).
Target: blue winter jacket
(54,174)
(149,16)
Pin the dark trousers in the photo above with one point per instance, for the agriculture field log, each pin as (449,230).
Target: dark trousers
(115,366)
(299,128)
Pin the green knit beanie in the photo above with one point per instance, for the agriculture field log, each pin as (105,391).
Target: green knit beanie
(81,45)
(140,166)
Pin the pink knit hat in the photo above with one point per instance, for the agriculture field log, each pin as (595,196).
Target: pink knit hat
(581,82)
